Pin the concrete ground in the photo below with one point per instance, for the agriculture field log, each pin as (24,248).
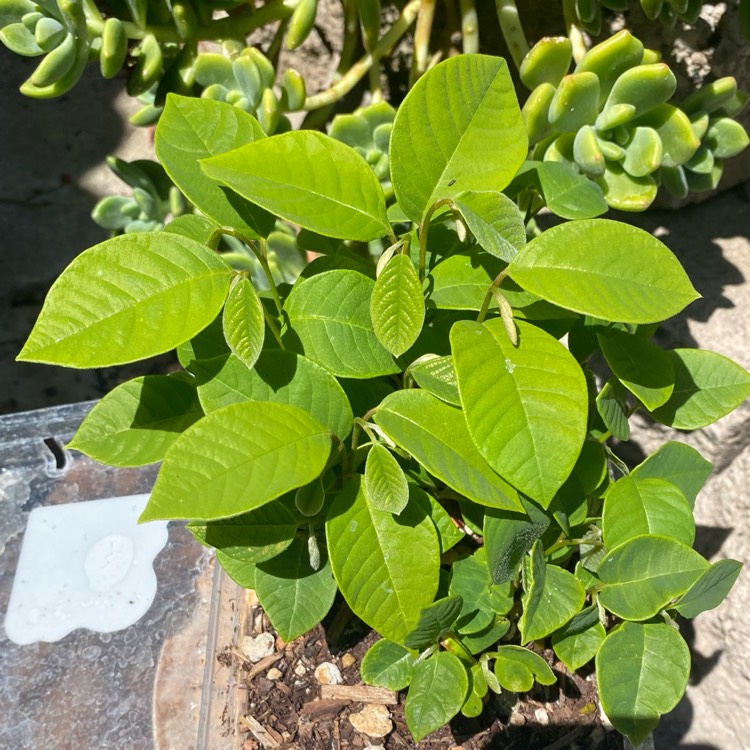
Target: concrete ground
(51,173)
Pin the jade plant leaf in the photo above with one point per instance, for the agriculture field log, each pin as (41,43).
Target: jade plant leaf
(387,664)
(126,299)
(236,459)
(710,589)
(444,125)
(642,670)
(136,422)
(436,435)
(385,485)
(307,178)
(525,405)
(386,566)
(517,667)
(330,322)
(191,129)
(605,269)
(243,322)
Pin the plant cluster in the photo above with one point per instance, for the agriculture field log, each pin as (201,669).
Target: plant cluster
(402,424)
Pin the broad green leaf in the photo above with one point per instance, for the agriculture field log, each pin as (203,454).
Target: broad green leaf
(448,533)
(436,435)
(386,566)
(509,536)
(434,622)
(645,369)
(462,280)
(192,129)
(243,322)
(471,581)
(643,575)
(634,506)
(241,572)
(707,387)
(679,464)
(385,485)
(551,597)
(310,179)
(330,322)
(438,689)
(478,688)
(606,269)
(136,422)
(710,589)
(494,220)
(484,639)
(444,126)
(612,406)
(437,376)
(293,595)
(591,467)
(237,459)
(387,664)
(578,641)
(126,299)
(569,506)
(525,406)
(516,667)
(193,226)
(642,670)
(397,305)
(252,537)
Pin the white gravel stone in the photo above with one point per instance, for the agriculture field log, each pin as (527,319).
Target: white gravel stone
(374,720)
(328,674)
(258,647)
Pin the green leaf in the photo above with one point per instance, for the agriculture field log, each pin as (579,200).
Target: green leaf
(605,269)
(707,387)
(612,406)
(252,537)
(471,582)
(516,667)
(525,406)
(438,689)
(165,287)
(710,589)
(293,595)
(448,534)
(552,596)
(386,566)
(643,575)
(434,623)
(385,485)
(437,376)
(642,670)
(237,459)
(566,192)
(242,573)
(243,322)
(444,126)
(634,506)
(461,281)
(679,464)
(642,367)
(578,641)
(397,305)
(387,664)
(192,129)
(310,179)
(494,220)
(330,322)
(435,434)
(136,422)
(484,639)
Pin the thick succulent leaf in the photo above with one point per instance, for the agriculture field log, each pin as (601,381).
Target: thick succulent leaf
(243,322)
(516,667)
(707,387)
(237,459)
(710,589)
(643,575)
(307,178)
(434,622)
(438,689)
(624,192)
(578,641)
(386,566)
(444,126)
(330,322)
(435,434)
(191,129)
(525,405)
(605,269)
(387,664)
(642,671)
(385,483)
(136,422)
(126,299)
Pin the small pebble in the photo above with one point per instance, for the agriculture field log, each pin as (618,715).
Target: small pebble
(374,747)
(517,719)
(273,673)
(541,716)
(348,660)
(300,670)
(257,648)
(328,674)
(374,720)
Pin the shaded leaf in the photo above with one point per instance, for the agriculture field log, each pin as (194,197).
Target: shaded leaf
(710,589)
(387,664)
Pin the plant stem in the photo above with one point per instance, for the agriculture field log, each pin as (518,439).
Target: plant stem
(260,254)
(573,29)
(510,25)
(490,294)
(572,543)
(272,327)
(422,33)
(469,27)
(355,74)
(424,229)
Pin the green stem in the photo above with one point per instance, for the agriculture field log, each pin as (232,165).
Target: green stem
(422,34)
(490,294)
(510,25)
(469,27)
(573,29)
(572,543)
(272,327)
(424,229)
(355,74)
(260,254)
